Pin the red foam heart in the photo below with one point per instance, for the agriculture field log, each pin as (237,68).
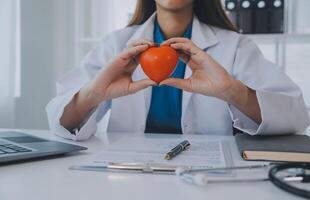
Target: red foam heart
(158,63)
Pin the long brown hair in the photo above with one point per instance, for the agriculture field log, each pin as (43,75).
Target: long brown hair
(209,12)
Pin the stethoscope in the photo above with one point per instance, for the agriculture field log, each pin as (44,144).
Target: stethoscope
(297,173)
(301,176)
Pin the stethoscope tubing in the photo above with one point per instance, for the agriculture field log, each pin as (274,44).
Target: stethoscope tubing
(285,186)
(249,167)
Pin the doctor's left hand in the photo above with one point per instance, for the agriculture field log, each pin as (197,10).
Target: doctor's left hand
(211,79)
(208,76)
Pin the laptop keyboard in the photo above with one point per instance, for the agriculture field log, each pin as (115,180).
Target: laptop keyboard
(9,148)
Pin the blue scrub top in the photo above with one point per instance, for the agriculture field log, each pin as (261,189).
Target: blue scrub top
(166,103)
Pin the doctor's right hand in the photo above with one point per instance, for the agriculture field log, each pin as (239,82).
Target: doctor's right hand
(115,79)
(112,81)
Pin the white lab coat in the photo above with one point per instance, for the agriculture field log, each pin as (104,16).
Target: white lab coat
(282,106)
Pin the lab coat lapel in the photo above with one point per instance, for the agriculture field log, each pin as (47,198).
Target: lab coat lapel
(145,31)
(203,37)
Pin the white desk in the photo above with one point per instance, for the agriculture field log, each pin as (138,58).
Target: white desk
(51,179)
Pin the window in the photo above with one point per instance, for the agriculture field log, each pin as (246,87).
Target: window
(96,18)
(10,48)
(9,60)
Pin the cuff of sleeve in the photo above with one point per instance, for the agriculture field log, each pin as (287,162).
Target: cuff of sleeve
(243,122)
(87,128)
(281,114)
(277,117)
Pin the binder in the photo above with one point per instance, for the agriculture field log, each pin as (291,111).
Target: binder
(231,7)
(276,16)
(245,19)
(256,16)
(261,16)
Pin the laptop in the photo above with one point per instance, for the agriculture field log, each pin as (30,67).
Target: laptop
(18,146)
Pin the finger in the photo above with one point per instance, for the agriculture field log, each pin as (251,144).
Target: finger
(131,66)
(183,84)
(125,59)
(176,40)
(142,42)
(132,52)
(183,56)
(187,48)
(140,85)
(196,54)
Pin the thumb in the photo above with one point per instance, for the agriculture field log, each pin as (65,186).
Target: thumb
(140,85)
(183,84)
(184,57)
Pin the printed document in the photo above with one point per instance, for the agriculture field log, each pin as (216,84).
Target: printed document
(203,152)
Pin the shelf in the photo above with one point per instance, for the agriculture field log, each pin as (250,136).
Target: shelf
(286,36)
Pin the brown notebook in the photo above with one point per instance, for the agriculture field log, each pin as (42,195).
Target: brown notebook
(290,148)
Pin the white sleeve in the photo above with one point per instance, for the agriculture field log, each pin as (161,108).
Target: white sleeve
(69,85)
(281,101)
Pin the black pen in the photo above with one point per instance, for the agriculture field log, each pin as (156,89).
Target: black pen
(177,150)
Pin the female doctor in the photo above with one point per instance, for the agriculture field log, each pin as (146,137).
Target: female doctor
(222,80)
